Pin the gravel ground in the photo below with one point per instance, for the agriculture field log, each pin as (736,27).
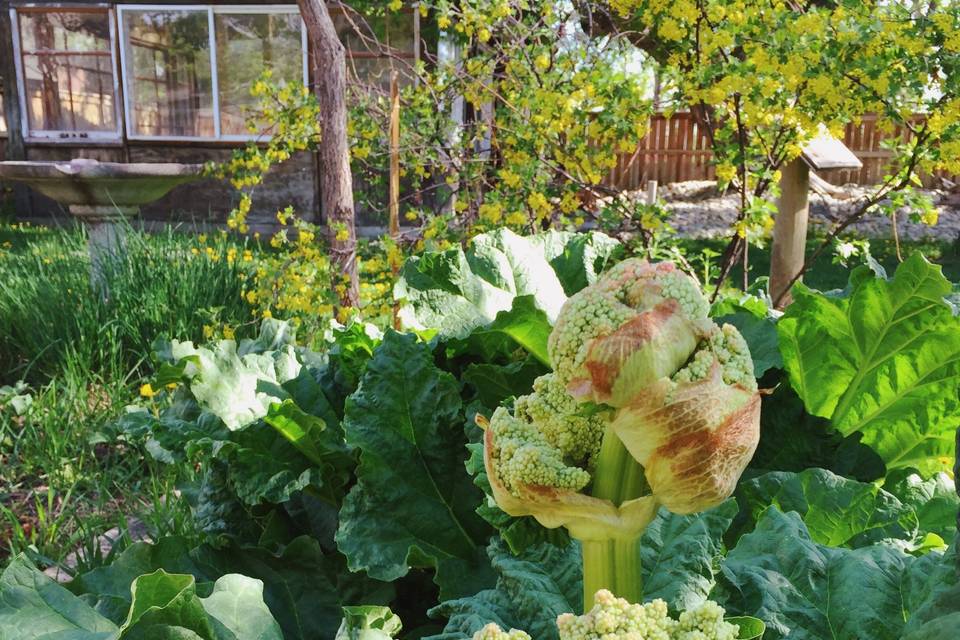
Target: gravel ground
(699,212)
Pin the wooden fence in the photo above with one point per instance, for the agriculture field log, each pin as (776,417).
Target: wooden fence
(678,148)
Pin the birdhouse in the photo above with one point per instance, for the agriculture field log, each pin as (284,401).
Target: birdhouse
(826,152)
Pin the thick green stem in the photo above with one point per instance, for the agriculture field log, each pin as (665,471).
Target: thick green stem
(614,564)
(618,477)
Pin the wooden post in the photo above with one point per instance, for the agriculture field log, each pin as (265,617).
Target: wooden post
(789,229)
(395,179)
(651,192)
(394,157)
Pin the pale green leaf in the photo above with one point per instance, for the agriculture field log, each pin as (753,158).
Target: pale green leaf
(882,359)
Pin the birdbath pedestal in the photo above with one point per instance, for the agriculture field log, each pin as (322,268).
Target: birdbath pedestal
(102,195)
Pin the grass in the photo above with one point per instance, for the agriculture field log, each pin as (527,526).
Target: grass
(64,483)
(51,320)
(81,357)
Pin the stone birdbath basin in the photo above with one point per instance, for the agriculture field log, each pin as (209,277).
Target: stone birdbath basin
(102,195)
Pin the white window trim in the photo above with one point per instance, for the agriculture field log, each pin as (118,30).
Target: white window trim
(65,135)
(211,10)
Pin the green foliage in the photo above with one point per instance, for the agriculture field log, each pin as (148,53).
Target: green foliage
(935,500)
(162,605)
(457,291)
(368,623)
(532,590)
(803,589)
(793,440)
(351,479)
(881,359)
(840,512)
(300,573)
(419,514)
(679,556)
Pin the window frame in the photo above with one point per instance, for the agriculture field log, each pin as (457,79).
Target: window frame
(65,135)
(211,11)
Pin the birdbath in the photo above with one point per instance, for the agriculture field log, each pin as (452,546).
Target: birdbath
(102,195)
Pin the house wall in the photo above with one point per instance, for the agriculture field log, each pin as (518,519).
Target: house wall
(295,182)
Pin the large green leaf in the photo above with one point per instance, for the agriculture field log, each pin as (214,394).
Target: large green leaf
(34,607)
(458,291)
(532,590)
(108,586)
(368,622)
(238,389)
(159,606)
(837,511)
(166,605)
(262,466)
(934,500)
(523,324)
(413,504)
(680,554)
(578,258)
(238,612)
(304,588)
(806,591)
(932,592)
(882,359)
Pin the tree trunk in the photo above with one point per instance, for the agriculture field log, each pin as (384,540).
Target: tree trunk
(328,58)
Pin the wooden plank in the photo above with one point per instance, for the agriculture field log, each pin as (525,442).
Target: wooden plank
(684,161)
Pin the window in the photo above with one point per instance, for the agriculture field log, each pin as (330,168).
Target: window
(66,70)
(273,41)
(375,42)
(168,73)
(188,69)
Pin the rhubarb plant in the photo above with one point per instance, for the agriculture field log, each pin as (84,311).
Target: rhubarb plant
(649,403)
